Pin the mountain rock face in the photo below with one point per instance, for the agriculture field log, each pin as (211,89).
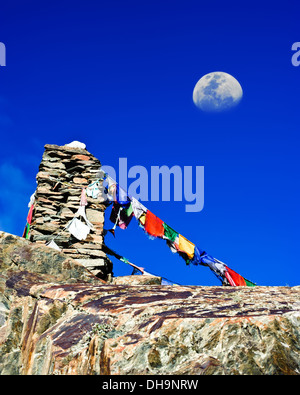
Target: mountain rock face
(56,317)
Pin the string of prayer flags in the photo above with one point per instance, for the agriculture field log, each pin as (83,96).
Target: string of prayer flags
(121,258)
(124,208)
(136,269)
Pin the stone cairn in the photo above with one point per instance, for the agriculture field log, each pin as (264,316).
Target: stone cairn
(63,173)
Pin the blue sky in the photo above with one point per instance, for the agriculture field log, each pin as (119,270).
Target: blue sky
(119,76)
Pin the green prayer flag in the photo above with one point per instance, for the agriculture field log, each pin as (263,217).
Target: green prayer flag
(249,283)
(27,231)
(169,233)
(129,210)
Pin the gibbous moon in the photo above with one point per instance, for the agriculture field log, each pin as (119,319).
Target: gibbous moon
(216,92)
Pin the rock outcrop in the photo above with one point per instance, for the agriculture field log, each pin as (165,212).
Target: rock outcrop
(56,317)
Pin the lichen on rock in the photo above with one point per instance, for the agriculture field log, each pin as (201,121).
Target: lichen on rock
(56,317)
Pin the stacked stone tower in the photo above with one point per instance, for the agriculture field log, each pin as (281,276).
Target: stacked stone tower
(65,171)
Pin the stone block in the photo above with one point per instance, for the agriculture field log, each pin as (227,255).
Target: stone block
(96,216)
(136,280)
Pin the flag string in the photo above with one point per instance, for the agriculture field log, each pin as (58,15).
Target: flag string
(124,208)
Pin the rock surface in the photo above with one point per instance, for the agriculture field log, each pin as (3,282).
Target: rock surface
(56,317)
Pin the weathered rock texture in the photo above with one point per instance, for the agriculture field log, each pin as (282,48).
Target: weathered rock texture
(63,172)
(58,318)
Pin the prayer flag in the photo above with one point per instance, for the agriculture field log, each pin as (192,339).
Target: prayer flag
(29,216)
(27,231)
(81,212)
(138,208)
(83,198)
(234,278)
(154,225)
(173,245)
(78,229)
(52,244)
(129,210)
(93,190)
(197,257)
(121,196)
(119,215)
(186,246)
(169,233)
(207,259)
(249,283)
(142,219)
(31,200)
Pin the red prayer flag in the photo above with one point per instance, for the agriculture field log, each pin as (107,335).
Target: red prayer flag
(234,277)
(153,225)
(29,216)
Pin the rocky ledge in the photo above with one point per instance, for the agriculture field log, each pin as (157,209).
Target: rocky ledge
(56,317)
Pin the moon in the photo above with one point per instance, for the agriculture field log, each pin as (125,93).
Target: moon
(216,92)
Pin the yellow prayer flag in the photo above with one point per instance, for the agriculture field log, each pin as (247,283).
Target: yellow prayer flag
(186,246)
(142,219)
